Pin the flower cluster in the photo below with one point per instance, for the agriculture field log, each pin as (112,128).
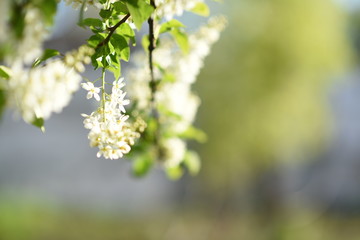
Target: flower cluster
(77,58)
(78,3)
(109,129)
(174,96)
(40,91)
(29,47)
(169,8)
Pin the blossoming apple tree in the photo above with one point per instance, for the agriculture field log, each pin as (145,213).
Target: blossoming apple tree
(146,112)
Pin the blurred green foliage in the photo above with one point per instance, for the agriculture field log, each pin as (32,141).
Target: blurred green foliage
(23,220)
(265,87)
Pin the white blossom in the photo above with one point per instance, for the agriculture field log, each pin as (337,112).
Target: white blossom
(174,151)
(174,96)
(109,129)
(170,8)
(34,34)
(38,92)
(92,90)
(78,3)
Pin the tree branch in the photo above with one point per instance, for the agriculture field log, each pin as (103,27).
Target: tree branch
(151,48)
(153,82)
(112,30)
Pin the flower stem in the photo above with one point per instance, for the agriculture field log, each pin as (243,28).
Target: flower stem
(103,97)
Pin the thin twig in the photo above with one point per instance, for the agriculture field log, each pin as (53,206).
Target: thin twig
(112,30)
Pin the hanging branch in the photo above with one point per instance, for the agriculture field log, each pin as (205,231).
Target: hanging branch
(153,82)
(151,48)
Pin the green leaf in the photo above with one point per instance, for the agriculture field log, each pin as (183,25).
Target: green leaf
(120,8)
(94,24)
(5,72)
(142,165)
(150,134)
(115,67)
(39,122)
(145,42)
(140,11)
(48,10)
(170,25)
(194,133)
(121,46)
(97,57)
(192,162)
(48,53)
(105,13)
(168,78)
(174,173)
(81,14)
(170,114)
(107,61)
(94,40)
(126,31)
(201,9)
(181,39)
(17,21)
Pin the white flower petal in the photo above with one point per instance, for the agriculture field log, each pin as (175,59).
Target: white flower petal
(97,97)
(89,95)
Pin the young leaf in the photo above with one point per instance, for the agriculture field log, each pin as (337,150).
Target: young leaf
(145,42)
(115,67)
(170,25)
(105,14)
(174,173)
(142,165)
(192,162)
(120,8)
(201,9)
(140,11)
(39,122)
(194,133)
(48,53)
(48,10)
(168,78)
(94,40)
(121,46)
(17,21)
(181,39)
(81,14)
(96,58)
(4,72)
(170,114)
(126,31)
(94,24)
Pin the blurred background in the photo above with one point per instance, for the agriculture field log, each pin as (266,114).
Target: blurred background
(281,107)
